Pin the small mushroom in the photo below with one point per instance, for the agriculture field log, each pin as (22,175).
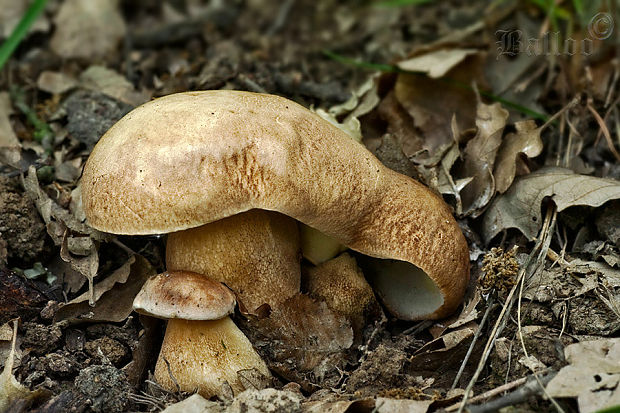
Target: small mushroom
(341,284)
(190,159)
(202,349)
(317,247)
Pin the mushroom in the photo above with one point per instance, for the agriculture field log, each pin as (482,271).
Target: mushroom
(341,284)
(256,253)
(189,159)
(202,347)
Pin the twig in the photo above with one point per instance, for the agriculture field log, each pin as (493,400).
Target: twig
(418,327)
(604,129)
(503,317)
(490,305)
(530,387)
(281,17)
(569,105)
(365,347)
(491,393)
(546,237)
(250,84)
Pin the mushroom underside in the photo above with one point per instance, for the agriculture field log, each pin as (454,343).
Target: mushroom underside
(405,290)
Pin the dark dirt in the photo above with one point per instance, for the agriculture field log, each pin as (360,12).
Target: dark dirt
(21,226)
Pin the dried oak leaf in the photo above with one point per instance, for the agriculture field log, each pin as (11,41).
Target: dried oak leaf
(479,157)
(301,336)
(432,103)
(520,206)
(525,141)
(114,294)
(437,62)
(593,375)
(87,29)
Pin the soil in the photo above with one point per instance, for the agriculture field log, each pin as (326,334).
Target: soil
(87,363)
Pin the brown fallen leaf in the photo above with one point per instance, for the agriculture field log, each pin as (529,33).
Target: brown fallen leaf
(51,212)
(87,29)
(55,82)
(437,62)
(400,125)
(18,297)
(519,207)
(384,405)
(479,157)
(432,103)
(525,141)
(86,265)
(113,295)
(593,375)
(301,336)
(107,81)
(10,389)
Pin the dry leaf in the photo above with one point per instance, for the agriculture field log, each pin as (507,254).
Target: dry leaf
(593,376)
(86,265)
(520,206)
(53,214)
(362,101)
(107,81)
(114,295)
(436,63)
(479,157)
(9,144)
(525,141)
(383,405)
(432,103)
(194,404)
(339,406)
(300,336)
(87,29)
(10,388)
(55,82)
(400,125)
(18,297)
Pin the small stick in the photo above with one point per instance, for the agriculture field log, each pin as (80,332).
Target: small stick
(491,304)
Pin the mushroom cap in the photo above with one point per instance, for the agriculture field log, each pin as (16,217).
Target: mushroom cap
(188,159)
(185,295)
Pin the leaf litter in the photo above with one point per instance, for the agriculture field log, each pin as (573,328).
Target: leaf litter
(430,125)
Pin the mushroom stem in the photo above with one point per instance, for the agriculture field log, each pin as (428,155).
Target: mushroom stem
(255,253)
(317,247)
(204,355)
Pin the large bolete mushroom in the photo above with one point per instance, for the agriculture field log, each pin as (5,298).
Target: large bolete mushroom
(189,159)
(192,159)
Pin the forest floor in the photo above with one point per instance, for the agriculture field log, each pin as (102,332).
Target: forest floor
(508,109)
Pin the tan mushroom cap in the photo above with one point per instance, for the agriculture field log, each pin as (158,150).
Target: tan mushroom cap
(188,159)
(185,295)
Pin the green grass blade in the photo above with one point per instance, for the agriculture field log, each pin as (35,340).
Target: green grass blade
(10,44)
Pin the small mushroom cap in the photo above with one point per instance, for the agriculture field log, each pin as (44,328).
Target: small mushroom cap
(188,159)
(185,295)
